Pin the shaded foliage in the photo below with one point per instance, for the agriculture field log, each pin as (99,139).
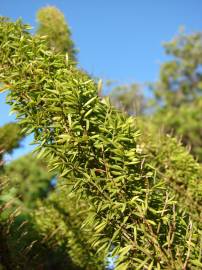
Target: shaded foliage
(47,238)
(30,177)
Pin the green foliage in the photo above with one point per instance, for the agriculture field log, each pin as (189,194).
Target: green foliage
(10,137)
(49,237)
(53,27)
(180,78)
(179,91)
(59,220)
(30,177)
(184,122)
(95,149)
(174,163)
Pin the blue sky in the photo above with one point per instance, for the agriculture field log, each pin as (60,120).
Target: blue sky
(117,40)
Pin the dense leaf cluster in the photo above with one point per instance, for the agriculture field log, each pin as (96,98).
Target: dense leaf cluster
(95,148)
(175,164)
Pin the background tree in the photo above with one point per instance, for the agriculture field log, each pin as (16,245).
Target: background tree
(30,177)
(129,98)
(53,27)
(10,137)
(179,91)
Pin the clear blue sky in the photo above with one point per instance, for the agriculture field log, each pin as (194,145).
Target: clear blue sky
(119,40)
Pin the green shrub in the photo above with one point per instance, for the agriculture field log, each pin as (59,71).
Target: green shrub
(95,149)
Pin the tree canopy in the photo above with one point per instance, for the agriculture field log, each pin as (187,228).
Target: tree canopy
(53,27)
(179,91)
